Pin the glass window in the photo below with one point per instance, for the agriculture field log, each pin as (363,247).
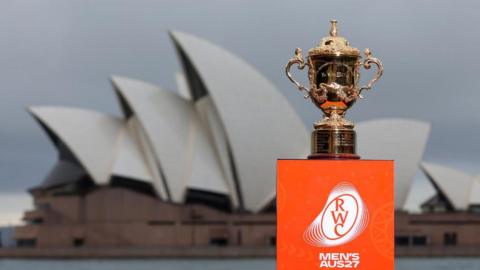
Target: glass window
(420,240)
(450,239)
(402,240)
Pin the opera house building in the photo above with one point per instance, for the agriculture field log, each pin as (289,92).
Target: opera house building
(194,170)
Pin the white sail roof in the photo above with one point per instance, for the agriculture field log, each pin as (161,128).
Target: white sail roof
(91,136)
(207,113)
(182,86)
(475,191)
(402,140)
(453,184)
(129,160)
(176,136)
(261,125)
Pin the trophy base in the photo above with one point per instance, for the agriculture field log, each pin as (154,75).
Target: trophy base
(333,156)
(333,143)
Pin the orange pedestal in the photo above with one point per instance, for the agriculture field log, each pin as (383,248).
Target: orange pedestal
(335,214)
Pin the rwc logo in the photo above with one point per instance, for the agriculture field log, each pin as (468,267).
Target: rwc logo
(343,218)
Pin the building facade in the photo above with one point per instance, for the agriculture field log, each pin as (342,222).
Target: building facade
(437,234)
(121,217)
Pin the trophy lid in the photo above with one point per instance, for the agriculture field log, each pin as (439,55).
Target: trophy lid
(334,45)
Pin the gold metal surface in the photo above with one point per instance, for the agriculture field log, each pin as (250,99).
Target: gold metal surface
(333,45)
(297,59)
(367,64)
(334,74)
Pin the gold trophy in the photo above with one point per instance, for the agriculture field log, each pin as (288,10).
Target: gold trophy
(334,74)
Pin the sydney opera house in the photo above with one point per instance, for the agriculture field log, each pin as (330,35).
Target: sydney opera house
(195,168)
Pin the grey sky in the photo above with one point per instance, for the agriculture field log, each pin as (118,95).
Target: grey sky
(63,52)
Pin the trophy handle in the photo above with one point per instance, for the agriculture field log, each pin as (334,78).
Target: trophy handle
(297,59)
(367,64)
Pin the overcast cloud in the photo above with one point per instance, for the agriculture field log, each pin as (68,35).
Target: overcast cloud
(63,52)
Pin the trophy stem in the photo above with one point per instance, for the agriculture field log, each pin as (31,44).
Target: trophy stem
(333,143)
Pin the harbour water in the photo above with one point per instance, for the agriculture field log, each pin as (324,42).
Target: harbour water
(224,264)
